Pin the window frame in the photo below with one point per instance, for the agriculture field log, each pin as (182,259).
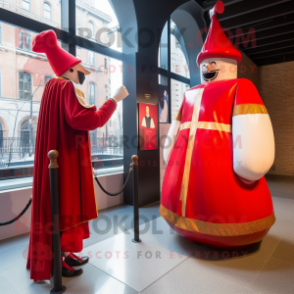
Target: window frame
(167,72)
(28,2)
(70,40)
(27,34)
(23,86)
(46,3)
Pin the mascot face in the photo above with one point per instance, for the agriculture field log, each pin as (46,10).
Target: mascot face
(217,69)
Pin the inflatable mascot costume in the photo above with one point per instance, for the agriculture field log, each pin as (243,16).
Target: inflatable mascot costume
(64,121)
(214,191)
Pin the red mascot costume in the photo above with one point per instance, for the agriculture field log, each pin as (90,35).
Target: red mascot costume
(64,121)
(214,190)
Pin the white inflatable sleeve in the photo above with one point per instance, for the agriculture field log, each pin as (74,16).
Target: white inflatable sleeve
(253,145)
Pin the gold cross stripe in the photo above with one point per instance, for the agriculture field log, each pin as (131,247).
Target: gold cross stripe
(215,126)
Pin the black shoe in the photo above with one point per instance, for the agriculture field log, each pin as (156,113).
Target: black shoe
(76,261)
(66,272)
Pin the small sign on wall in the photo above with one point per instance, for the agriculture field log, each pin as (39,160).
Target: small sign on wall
(148,126)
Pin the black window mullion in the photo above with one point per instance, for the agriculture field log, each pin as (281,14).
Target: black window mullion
(72,26)
(169,45)
(173,76)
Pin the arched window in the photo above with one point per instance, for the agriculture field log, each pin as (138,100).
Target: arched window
(179,57)
(92,94)
(91,28)
(25,85)
(47,10)
(1,135)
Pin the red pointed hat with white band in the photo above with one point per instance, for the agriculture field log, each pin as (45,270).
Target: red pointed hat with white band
(59,59)
(217,43)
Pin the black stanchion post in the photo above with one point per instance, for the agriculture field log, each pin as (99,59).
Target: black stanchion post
(57,266)
(136,195)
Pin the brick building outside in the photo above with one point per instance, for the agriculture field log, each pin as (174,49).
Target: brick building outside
(23,75)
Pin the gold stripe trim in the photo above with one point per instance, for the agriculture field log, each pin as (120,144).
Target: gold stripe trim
(249,109)
(192,133)
(185,125)
(216,229)
(208,126)
(179,116)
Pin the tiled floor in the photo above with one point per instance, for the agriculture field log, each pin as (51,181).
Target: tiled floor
(166,263)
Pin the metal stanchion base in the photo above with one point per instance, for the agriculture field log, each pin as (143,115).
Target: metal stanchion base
(58,292)
(135,241)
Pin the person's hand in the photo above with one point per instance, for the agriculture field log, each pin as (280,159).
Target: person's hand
(121,94)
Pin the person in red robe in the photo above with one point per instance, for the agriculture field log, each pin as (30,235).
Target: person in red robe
(65,119)
(214,191)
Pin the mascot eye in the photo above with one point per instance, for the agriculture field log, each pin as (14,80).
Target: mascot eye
(71,70)
(213,63)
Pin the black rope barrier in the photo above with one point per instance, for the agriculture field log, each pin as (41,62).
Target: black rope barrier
(19,216)
(117,193)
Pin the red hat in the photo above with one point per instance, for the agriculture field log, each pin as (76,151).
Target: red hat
(217,44)
(59,59)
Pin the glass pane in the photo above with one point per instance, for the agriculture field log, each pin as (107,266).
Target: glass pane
(47,10)
(179,56)
(164,99)
(96,21)
(163,49)
(23,75)
(35,9)
(177,95)
(102,84)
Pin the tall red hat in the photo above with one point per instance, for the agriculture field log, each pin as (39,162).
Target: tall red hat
(59,59)
(217,44)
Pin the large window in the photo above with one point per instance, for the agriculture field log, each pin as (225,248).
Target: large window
(23,77)
(174,77)
(25,73)
(47,10)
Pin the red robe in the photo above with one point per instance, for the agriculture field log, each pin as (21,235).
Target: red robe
(203,199)
(64,121)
